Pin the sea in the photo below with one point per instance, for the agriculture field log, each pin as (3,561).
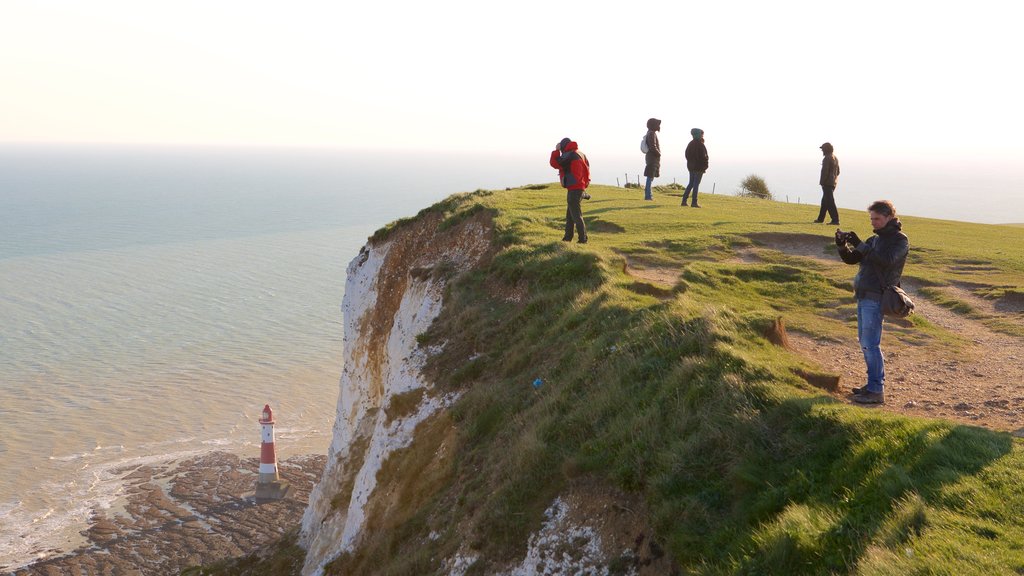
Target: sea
(153,299)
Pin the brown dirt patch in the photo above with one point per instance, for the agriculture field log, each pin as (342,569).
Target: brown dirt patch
(620,520)
(663,275)
(809,245)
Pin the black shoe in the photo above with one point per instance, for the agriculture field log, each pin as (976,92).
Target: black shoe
(834,223)
(860,390)
(866,397)
(684,204)
(694,205)
(582,241)
(822,221)
(567,239)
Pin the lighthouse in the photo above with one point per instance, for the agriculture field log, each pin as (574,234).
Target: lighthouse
(269,485)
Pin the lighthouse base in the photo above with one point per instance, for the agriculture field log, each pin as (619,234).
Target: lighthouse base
(269,491)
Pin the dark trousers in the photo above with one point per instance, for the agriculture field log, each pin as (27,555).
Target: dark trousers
(828,204)
(694,184)
(574,215)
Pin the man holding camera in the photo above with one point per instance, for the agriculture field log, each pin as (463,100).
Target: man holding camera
(881,260)
(574,174)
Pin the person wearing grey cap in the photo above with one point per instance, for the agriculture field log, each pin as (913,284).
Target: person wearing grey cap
(829,179)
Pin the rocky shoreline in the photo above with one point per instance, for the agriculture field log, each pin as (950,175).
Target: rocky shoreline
(185,513)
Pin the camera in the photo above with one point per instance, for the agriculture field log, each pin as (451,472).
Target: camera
(585,196)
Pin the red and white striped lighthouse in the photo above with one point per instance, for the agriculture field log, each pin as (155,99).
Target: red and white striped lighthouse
(268,454)
(269,486)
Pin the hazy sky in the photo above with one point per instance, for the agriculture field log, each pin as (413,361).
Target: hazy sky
(765,79)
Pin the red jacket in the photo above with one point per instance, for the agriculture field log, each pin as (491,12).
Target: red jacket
(573,167)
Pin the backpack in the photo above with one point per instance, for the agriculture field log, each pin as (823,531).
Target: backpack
(584,177)
(643,145)
(586,170)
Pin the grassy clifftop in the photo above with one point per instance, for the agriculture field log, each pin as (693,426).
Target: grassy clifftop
(658,381)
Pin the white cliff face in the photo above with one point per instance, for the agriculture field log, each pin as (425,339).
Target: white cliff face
(386,305)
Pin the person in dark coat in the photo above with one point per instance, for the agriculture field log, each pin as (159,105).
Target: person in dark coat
(696,164)
(653,156)
(881,260)
(829,179)
(574,174)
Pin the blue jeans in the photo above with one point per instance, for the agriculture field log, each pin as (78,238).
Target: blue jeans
(869,333)
(647,189)
(694,184)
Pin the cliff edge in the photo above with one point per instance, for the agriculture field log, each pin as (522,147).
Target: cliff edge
(394,291)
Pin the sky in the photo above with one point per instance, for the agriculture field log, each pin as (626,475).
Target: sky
(888,80)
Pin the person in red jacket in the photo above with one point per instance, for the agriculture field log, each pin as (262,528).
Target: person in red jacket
(574,174)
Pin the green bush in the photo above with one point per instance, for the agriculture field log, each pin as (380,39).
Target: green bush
(754,186)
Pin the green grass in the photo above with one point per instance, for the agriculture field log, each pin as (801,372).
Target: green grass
(674,393)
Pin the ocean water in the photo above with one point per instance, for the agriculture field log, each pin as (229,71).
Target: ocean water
(152,300)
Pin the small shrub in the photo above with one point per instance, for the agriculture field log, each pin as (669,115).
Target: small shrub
(754,186)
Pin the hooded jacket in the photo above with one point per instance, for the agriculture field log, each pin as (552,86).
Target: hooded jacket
(881,260)
(829,169)
(696,152)
(573,166)
(653,156)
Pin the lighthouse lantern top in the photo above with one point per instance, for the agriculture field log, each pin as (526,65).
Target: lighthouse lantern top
(268,415)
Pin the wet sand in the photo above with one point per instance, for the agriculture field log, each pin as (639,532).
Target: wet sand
(185,513)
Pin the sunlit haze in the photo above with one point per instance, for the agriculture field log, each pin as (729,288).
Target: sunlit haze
(883,80)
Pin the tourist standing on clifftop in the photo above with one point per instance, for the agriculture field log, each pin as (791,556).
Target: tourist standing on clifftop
(653,155)
(881,260)
(829,179)
(696,164)
(574,174)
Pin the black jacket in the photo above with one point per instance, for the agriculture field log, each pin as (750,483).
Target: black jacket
(653,157)
(696,156)
(881,260)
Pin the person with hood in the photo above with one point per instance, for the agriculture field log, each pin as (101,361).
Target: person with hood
(881,260)
(696,164)
(574,174)
(653,156)
(829,179)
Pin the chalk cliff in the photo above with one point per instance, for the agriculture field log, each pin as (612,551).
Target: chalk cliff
(393,292)
(397,442)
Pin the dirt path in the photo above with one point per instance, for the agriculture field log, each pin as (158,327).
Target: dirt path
(983,386)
